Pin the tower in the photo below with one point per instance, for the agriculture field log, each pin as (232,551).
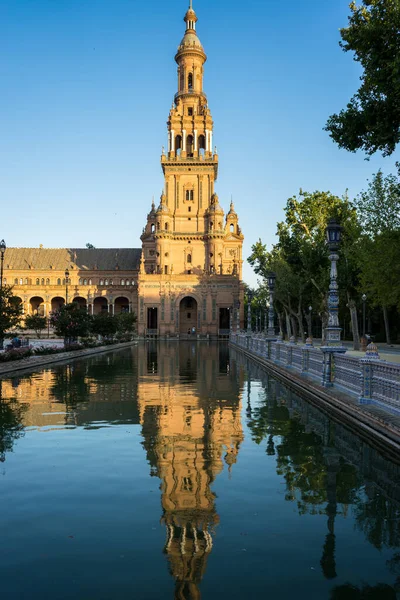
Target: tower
(187,241)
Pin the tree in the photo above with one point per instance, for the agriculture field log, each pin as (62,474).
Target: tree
(71,321)
(10,311)
(379,248)
(35,322)
(126,323)
(104,324)
(90,246)
(371,120)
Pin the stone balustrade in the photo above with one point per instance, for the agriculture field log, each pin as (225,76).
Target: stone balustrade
(371,380)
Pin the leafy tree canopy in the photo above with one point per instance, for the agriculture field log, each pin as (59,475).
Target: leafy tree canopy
(104,324)
(35,322)
(371,120)
(71,321)
(10,310)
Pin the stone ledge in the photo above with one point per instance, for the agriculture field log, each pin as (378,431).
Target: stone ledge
(33,362)
(381,433)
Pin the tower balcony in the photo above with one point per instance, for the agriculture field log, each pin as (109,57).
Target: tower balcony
(189,93)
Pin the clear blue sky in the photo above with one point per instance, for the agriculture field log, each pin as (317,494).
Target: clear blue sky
(86,86)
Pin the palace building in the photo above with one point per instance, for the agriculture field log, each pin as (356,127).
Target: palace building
(186,277)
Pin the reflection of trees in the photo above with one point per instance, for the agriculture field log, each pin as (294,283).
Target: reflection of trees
(11,426)
(351,592)
(378,518)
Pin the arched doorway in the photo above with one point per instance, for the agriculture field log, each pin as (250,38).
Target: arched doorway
(37,306)
(121,305)
(188,315)
(100,305)
(80,301)
(18,303)
(57,303)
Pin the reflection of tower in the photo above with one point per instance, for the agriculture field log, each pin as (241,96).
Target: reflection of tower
(190,418)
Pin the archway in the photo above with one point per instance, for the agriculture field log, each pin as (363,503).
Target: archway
(80,301)
(57,303)
(188,315)
(37,305)
(100,305)
(121,305)
(17,302)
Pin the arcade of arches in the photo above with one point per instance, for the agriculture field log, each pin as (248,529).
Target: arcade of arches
(187,273)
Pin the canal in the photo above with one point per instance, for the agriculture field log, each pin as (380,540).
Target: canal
(182,471)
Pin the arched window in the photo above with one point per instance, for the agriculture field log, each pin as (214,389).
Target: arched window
(15,281)
(122,281)
(133,283)
(189,258)
(111,282)
(80,282)
(85,282)
(90,282)
(166,226)
(106,282)
(190,81)
(202,145)
(189,145)
(21,281)
(153,228)
(26,281)
(232,228)
(101,281)
(189,195)
(58,281)
(42,282)
(63,281)
(37,281)
(47,281)
(178,145)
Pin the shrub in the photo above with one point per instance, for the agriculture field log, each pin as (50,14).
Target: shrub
(15,354)
(43,350)
(74,346)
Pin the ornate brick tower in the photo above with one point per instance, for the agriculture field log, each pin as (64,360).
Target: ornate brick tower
(189,248)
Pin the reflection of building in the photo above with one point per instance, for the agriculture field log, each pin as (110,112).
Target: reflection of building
(189,431)
(187,275)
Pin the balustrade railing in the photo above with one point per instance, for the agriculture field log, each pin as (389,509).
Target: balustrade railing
(370,379)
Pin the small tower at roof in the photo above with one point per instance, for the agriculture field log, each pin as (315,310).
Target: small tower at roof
(190,18)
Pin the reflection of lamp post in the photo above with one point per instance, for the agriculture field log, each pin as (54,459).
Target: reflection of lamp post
(363,298)
(238,315)
(271,286)
(333,343)
(2,251)
(66,285)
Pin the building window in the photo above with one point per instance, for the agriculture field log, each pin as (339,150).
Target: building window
(189,195)
(189,258)
(37,281)
(122,281)
(85,282)
(90,282)
(190,111)
(106,282)
(15,281)
(189,315)
(47,281)
(111,282)
(26,281)
(189,272)
(80,282)
(101,281)
(166,226)
(189,208)
(166,269)
(58,281)
(152,228)
(190,81)
(42,282)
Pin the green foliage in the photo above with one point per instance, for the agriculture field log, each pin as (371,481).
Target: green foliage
(47,350)
(378,207)
(70,321)
(126,323)
(89,246)
(35,322)
(104,324)
(15,354)
(10,310)
(371,120)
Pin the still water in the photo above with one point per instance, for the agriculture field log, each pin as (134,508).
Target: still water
(179,471)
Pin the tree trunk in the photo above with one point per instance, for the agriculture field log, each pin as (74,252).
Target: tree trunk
(387,328)
(294,325)
(288,325)
(280,321)
(299,318)
(354,323)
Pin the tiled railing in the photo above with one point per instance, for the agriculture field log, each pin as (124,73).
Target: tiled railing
(371,380)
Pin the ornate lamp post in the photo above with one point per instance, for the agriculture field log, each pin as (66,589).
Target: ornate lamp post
(2,251)
(271,286)
(266,318)
(333,343)
(66,285)
(248,313)
(363,298)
